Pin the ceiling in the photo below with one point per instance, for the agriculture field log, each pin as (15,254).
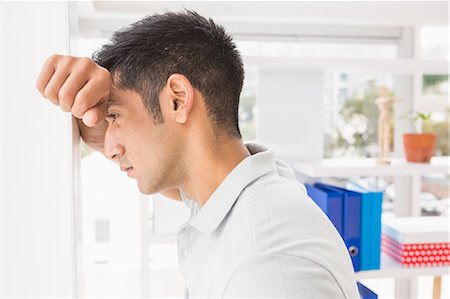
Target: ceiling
(373,19)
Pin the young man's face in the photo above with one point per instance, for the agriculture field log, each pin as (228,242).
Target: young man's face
(149,152)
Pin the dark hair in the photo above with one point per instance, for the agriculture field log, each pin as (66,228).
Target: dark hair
(145,54)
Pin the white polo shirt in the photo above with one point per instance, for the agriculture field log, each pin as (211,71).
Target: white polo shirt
(260,235)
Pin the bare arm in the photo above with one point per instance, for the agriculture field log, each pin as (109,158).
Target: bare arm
(80,86)
(93,138)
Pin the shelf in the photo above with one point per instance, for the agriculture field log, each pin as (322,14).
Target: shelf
(390,268)
(367,167)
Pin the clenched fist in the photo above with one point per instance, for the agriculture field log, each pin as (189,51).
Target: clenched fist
(80,86)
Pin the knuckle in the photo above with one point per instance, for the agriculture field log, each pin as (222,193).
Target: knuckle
(82,106)
(82,68)
(78,113)
(104,74)
(66,61)
(82,100)
(57,61)
(53,59)
(56,103)
(85,62)
(64,106)
(65,100)
(64,94)
(65,103)
(40,86)
(49,93)
(103,80)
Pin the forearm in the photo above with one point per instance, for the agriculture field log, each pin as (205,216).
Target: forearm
(94,138)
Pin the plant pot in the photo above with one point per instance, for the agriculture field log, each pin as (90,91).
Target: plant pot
(419,147)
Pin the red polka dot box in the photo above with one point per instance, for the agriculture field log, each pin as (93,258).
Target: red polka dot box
(417,241)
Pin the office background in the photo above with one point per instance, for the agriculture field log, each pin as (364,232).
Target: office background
(313,72)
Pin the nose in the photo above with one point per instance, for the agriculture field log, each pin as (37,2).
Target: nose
(113,148)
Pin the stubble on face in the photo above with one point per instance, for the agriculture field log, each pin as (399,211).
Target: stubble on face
(165,167)
(153,149)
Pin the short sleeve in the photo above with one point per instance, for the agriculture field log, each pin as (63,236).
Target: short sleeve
(283,276)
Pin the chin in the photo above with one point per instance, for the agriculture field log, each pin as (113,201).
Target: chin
(147,190)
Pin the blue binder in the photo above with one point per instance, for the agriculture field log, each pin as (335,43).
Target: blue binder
(377,200)
(365,292)
(366,255)
(375,208)
(351,221)
(329,202)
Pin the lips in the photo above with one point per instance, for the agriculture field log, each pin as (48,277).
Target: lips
(127,169)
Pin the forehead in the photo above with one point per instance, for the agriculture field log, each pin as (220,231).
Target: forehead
(122,97)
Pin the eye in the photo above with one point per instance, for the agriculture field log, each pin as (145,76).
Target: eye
(111,117)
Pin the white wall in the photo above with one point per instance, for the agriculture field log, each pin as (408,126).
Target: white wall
(37,227)
(291,112)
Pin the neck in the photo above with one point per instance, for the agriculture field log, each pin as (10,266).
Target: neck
(208,166)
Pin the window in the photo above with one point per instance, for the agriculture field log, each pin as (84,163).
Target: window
(435,85)
(102,231)
(248,113)
(434,99)
(351,125)
(317,49)
(440,125)
(434,42)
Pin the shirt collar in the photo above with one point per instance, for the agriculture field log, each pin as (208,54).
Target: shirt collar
(260,162)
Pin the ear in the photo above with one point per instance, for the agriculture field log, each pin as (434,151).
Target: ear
(180,97)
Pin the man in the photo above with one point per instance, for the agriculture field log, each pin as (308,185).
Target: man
(168,87)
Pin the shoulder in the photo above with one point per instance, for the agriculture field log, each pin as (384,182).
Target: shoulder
(284,276)
(281,216)
(283,219)
(273,197)
(281,181)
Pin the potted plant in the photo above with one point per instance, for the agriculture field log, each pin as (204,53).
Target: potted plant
(420,145)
